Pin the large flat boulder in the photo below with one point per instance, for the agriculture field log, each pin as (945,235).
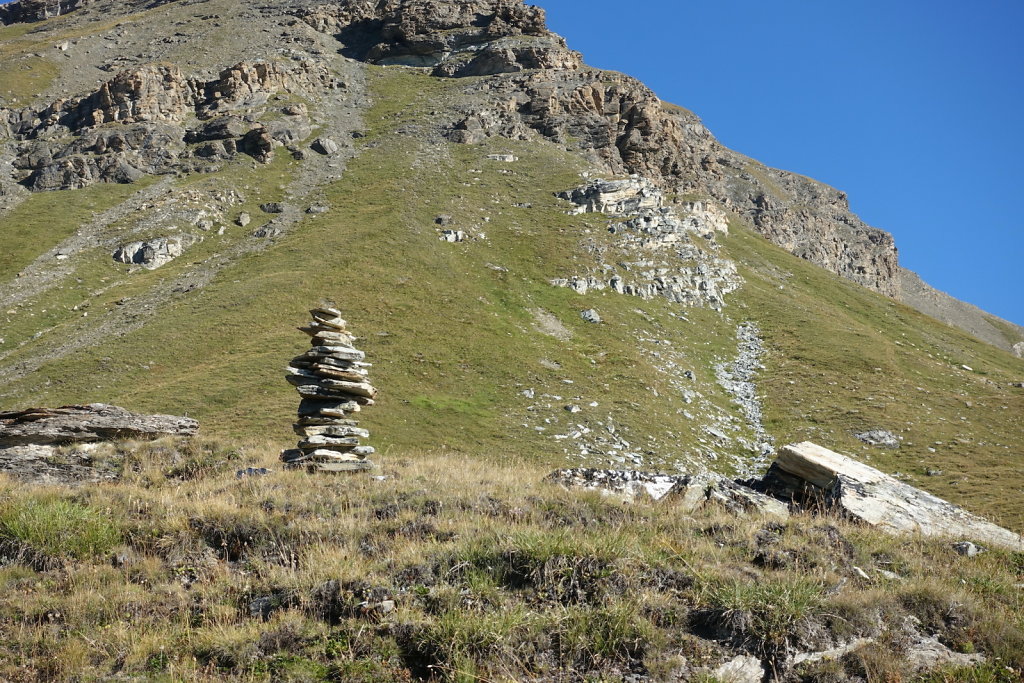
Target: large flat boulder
(873,497)
(86,424)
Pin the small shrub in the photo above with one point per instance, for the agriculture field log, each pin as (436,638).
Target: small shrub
(764,615)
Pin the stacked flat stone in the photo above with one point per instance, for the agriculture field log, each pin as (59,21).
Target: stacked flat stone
(332,379)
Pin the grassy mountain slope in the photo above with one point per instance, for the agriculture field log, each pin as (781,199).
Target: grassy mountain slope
(458,332)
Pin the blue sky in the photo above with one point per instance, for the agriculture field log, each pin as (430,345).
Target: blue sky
(914,108)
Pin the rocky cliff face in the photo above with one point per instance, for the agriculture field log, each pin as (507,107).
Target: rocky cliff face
(72,143)
(37,10)
(626,129)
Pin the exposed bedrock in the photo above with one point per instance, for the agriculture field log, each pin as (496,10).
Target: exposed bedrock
(136,123)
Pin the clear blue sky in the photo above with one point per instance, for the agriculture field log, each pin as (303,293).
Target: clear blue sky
(915,108)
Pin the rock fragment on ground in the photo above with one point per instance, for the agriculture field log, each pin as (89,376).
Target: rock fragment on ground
(87,423)
(806,472)
(151,254)
(879,437)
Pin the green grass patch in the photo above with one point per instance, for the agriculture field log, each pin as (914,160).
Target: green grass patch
(57,528)
(45,219)
(844,360)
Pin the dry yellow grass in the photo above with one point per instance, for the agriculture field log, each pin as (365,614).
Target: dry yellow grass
(494,575)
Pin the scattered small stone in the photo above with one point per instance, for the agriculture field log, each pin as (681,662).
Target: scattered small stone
(316,209)
(243,219)
(252,472)
(272,207)
(151,254)
(967,549)
(325,146)
(591,315)
(880,438)
(271,229)
(443,220)
(692,492)
(453,236)
(741,669)
(507,158)
(573,409)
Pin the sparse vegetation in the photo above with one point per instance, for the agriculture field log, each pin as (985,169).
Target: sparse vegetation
(457,568)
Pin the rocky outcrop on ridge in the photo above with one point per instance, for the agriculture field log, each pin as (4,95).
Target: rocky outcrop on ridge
(151,105)
(625,128)
(658,255)
(462,38)
(36,10)
(917,293)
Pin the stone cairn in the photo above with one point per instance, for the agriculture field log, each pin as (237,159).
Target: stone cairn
(332,379)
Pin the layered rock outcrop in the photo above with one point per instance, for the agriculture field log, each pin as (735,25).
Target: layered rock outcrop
(135,124)
(87,424)
(810,475)
(460,38)
(656,253)
(37,10)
